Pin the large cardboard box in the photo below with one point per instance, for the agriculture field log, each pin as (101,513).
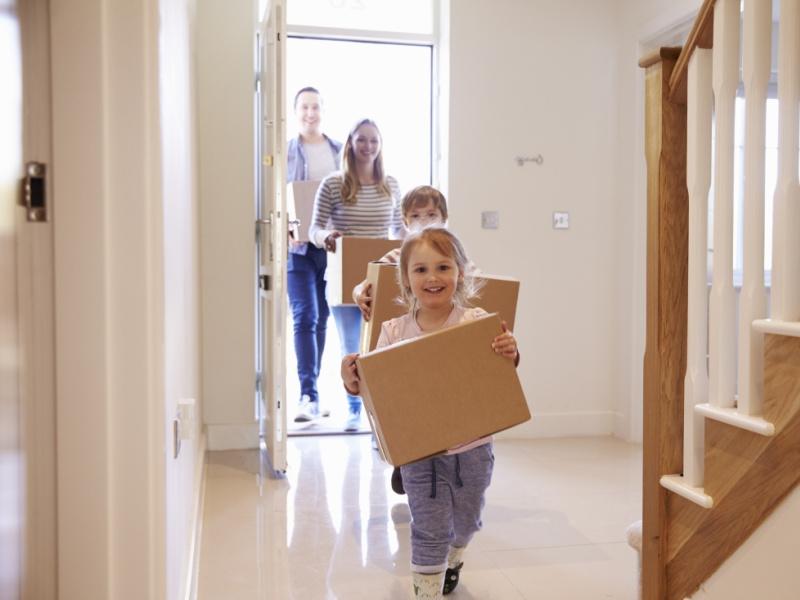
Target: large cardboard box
(498,295)
(347,267)
(426,395)
(300,204)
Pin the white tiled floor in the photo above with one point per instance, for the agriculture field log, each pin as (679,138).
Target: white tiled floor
(554,524)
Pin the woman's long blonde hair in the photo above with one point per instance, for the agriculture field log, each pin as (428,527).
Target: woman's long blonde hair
(350,183)
(447,244)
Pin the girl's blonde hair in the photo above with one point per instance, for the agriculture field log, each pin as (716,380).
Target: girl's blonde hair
(350,183)
(446,244)
(420,196)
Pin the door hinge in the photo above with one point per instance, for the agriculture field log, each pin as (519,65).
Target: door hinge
(258,382)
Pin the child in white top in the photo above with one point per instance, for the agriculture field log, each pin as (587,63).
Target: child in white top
(422,206)
(436,287)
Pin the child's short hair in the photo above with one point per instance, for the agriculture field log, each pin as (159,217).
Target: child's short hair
(447,244)
(420,196)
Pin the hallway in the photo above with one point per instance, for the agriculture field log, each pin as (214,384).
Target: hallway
(554,524)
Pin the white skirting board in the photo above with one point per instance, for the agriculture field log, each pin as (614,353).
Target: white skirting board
(193,563)
(573,424)
(232,437)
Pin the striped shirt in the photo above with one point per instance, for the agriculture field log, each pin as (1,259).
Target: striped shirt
(374,214)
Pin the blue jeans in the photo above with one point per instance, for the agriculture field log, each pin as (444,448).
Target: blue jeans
(348,324)
(306,286)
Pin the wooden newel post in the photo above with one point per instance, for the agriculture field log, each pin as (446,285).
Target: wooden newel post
(665,347)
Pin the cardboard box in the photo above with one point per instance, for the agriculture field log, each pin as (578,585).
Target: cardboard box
(385,292)
(438,391)
(300,205)
(498,295)
(347,267)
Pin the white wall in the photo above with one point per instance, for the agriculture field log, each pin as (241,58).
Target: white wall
(765,566)
(645,26)
(225,87)
(181,284)
(126,296)
(546,77)
(542,77)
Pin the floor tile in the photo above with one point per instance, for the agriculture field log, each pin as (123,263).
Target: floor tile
(554,524)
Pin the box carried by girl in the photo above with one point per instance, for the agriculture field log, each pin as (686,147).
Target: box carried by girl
(429,394)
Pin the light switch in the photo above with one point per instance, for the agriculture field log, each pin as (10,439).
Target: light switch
(560,220)
(490,219)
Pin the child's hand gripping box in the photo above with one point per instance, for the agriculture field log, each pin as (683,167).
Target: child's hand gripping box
(300,205)
(498,295)
(348,265)
(429,394)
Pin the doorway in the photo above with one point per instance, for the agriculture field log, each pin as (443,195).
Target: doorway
(391,82)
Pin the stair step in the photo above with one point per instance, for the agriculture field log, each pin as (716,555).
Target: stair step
(677,484)
(790,328)
(733,417)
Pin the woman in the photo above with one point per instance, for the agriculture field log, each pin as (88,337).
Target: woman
(360,200)
(311,156)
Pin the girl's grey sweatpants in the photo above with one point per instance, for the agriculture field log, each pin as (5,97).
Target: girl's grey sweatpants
(446,496)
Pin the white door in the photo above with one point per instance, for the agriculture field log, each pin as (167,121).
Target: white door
(27,381)
(272,230)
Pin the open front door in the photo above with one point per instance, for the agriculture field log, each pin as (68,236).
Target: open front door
(272,229)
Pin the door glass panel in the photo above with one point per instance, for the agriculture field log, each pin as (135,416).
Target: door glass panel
(391,85)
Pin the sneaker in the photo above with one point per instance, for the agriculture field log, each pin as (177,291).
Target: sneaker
(353,422)
(307,411)
(451,579)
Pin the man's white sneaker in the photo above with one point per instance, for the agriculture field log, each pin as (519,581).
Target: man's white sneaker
(307,411)
(353,422)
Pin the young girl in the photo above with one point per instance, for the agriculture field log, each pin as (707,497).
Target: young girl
(446,492)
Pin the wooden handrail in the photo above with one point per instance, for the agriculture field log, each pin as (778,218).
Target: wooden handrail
(701,36)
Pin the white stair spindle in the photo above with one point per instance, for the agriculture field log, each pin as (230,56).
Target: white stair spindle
(785,295)
(698,178)
(753,298)
(722,317)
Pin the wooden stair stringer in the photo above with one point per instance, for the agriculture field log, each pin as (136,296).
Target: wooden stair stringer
(747,474)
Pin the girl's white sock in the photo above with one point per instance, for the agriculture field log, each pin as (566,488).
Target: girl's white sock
(454,556)
(428,586)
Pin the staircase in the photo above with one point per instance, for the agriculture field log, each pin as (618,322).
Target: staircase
(721,379)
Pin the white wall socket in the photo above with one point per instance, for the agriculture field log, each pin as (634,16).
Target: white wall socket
(560,220)
(187,417)
(490,219)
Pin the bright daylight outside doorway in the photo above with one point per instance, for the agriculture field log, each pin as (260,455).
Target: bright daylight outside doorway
(391,84)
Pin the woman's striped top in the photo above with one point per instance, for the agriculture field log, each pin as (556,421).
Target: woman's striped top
(374,214)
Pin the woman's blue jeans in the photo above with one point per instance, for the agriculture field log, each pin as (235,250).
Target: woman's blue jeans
(306,286)
(348,324)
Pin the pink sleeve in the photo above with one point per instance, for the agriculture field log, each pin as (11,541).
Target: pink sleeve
(386,336)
